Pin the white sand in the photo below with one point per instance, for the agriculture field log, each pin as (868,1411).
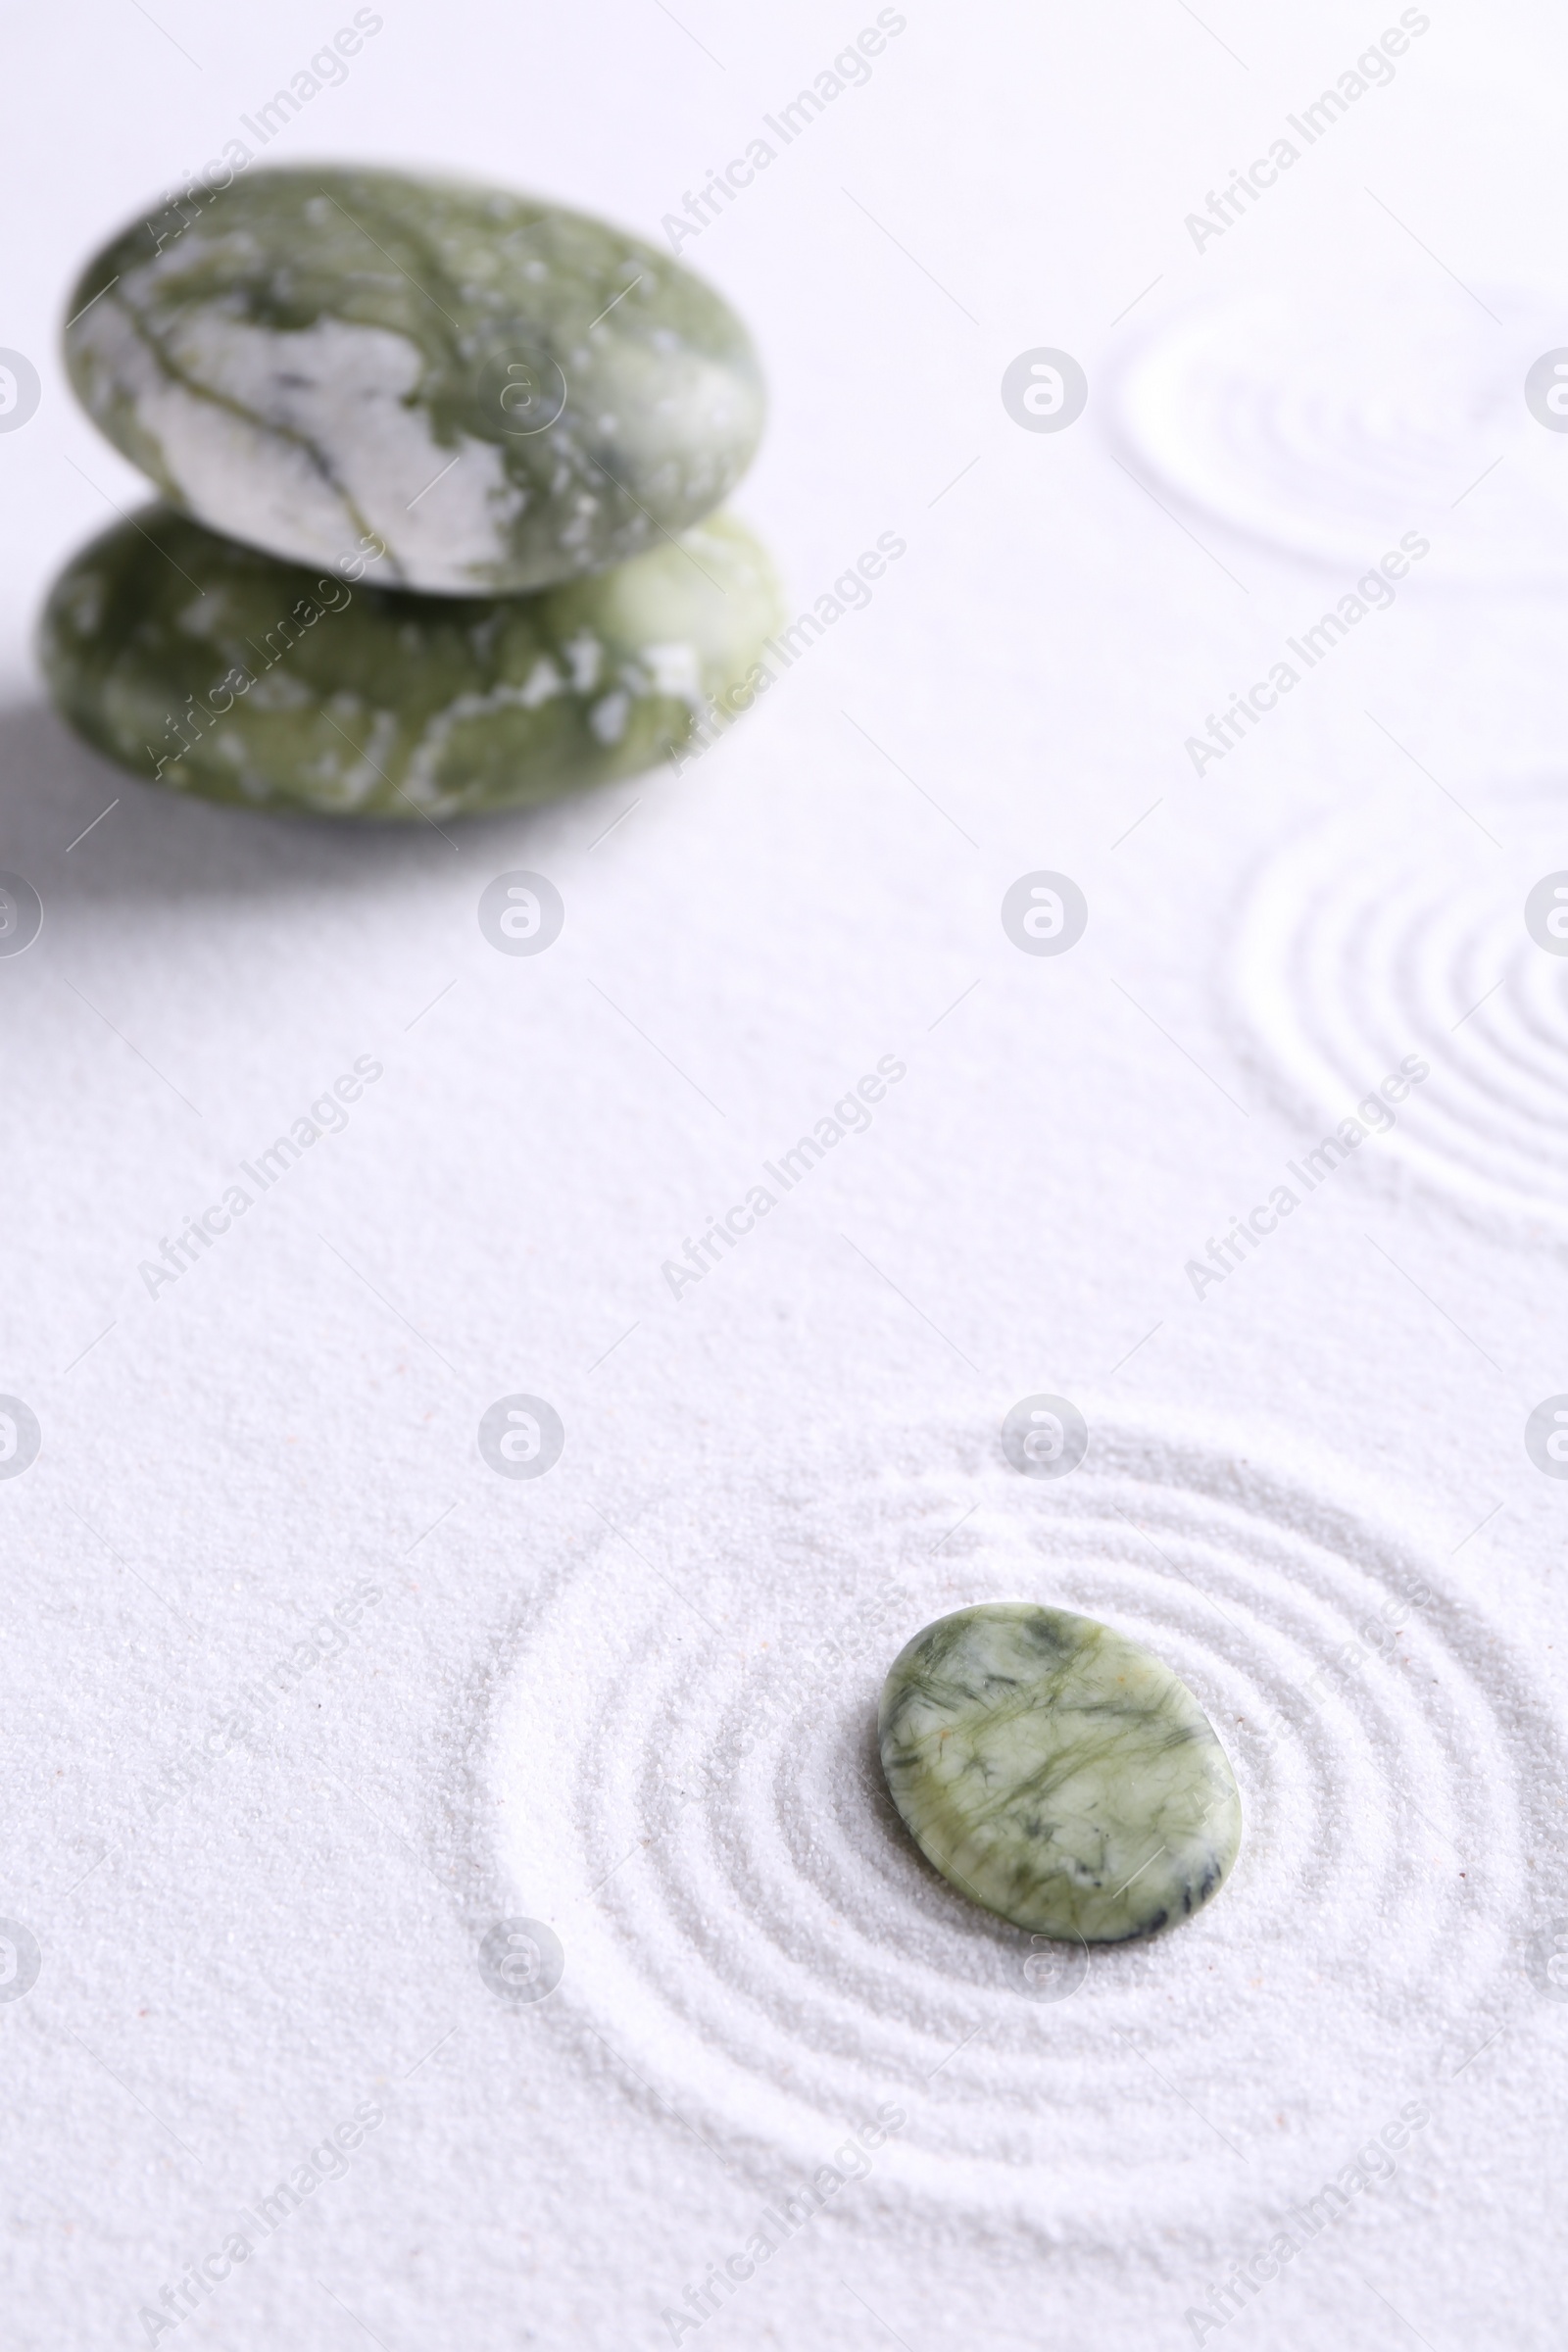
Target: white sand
(602,1698)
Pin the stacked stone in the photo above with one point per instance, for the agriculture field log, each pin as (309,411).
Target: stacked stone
(438,469)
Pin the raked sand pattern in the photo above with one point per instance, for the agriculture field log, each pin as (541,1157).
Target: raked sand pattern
(1367,937)
(1329,423)
(685,1785)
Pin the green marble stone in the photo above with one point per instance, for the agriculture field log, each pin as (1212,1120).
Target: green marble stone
(198,663)
(1057,1773)
(502,392)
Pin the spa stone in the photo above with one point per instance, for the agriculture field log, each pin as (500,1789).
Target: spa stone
(504,392)
(201,663)
(1057,1773)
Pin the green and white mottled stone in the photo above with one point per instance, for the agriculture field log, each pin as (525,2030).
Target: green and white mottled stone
(1057,1773)
(296,359)
(203,664)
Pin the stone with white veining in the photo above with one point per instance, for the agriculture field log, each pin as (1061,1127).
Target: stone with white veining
(203,664)
(1057,1773)
(504,392)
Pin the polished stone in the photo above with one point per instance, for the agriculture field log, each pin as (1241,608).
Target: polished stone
(1057,1773)
(504,392)
(200,663)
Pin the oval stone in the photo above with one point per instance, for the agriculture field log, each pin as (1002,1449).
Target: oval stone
(201,663)
(504,392)
(1057,1773)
